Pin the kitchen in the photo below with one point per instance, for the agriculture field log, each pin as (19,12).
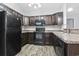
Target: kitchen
(39,29)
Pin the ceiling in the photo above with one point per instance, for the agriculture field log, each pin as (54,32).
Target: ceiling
(46,9)
(75,11)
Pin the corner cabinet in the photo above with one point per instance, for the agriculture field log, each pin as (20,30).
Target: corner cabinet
(66,49)
(71,49)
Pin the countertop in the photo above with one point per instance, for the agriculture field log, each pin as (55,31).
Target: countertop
(66,37)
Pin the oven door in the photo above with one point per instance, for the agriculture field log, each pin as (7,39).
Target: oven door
(39,37)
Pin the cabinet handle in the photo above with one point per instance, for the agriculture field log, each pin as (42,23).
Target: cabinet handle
(17,18)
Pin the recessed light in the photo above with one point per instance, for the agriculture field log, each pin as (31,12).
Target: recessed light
(30,5)
(70,9)
(35,6)
(39,5)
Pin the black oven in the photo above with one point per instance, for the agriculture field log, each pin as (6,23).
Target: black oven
(39,34)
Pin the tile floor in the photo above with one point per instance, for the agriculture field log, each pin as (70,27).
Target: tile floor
(36,50)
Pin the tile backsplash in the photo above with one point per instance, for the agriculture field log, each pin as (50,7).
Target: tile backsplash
(46,27)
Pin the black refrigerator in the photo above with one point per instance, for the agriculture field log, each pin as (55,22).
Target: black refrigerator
(10,34)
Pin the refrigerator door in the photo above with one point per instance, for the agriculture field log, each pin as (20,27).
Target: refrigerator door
(13,21)
(13,41)
(2,33)
(10,34)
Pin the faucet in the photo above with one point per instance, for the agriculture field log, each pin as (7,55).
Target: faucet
(68,30)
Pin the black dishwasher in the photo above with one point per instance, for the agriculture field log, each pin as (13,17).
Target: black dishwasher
(59,47)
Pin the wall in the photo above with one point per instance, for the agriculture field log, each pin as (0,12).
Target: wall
(76,22)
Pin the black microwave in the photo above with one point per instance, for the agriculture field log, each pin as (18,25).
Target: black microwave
(39,22)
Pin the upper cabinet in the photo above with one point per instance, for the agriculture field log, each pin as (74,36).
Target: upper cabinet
(54,19)
(25,21)
(48,20)
(57,18)
(32,20)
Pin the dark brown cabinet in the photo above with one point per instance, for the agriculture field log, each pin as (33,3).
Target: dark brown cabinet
(71,49)
(55,19)
(24,38)
(66,49)
(31,37)
(48,20)
(61,48)
(47,36)
(32,20)
(27,38)
(50,39)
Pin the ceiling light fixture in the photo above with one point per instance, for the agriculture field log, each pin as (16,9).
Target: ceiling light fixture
(70,9)
(35,5)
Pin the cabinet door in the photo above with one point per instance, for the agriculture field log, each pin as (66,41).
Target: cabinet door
(2,33)
(13,21)
(72,49)
(48,20)
(25,21)
(53,20)
(32,21)
(25,38)
(13,38)
(57,19)
(31,38)
(46,39)
(13,41)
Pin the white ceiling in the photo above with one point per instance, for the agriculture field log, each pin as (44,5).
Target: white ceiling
(75,11)
(47,8)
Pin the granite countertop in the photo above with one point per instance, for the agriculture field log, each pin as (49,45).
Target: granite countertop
(66,37)
(49,31)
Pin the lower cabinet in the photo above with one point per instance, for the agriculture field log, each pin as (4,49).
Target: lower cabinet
(71,50)
(24,39)
(61,48)
(48,39)
(27,38)
(31,37)
(66,49)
